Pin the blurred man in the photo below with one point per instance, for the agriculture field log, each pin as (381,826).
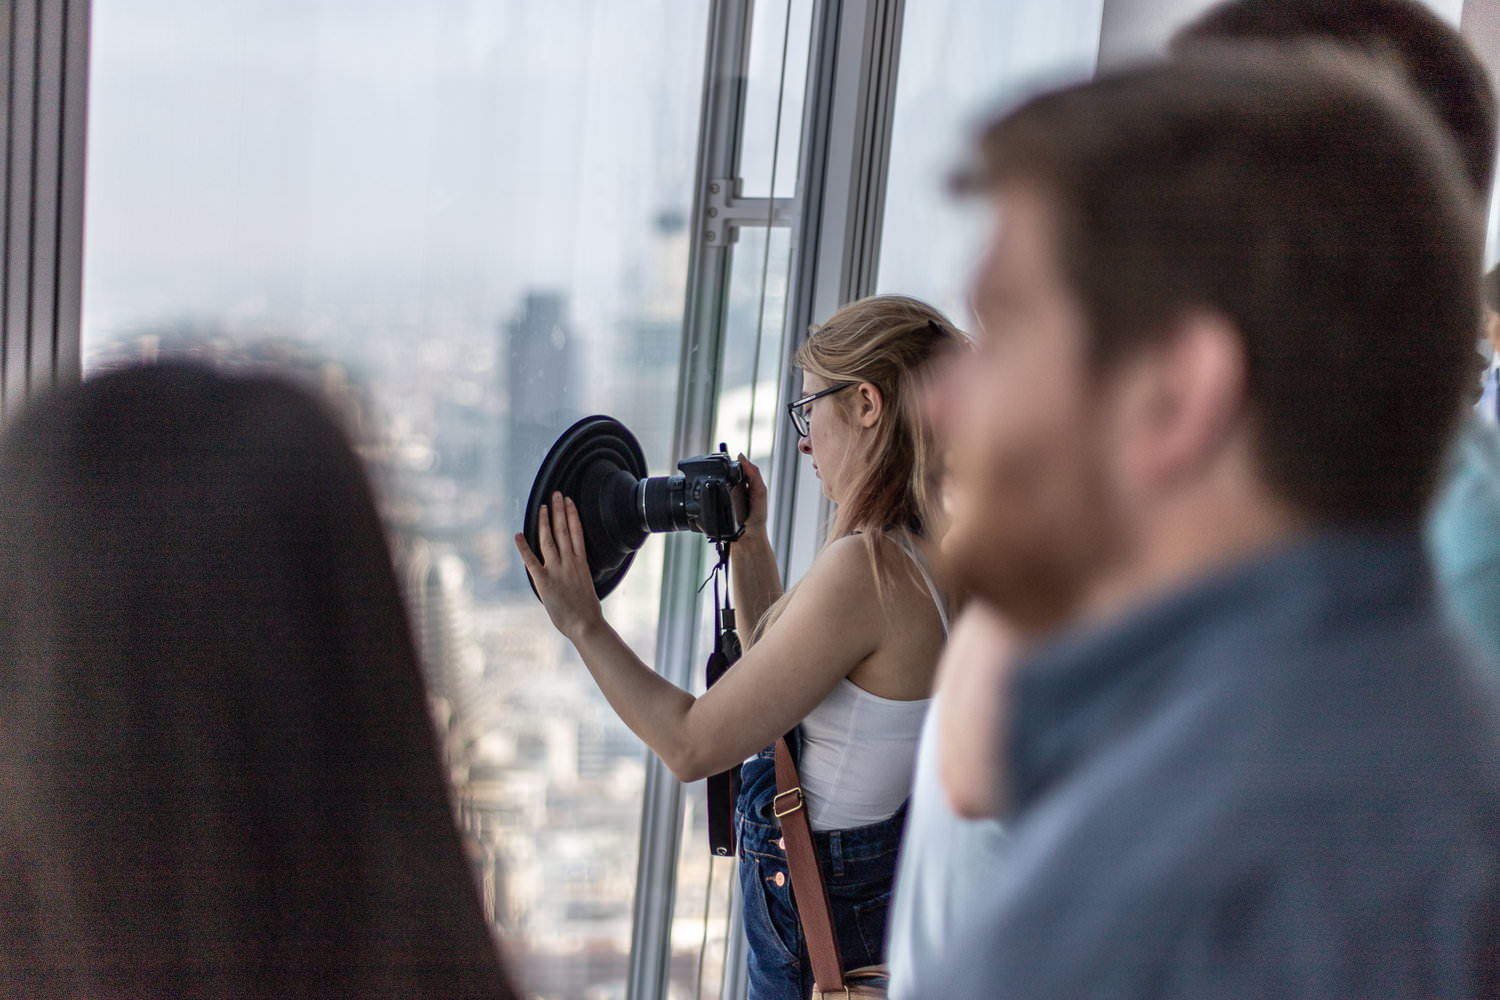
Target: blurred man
(1245,757)
(952,831)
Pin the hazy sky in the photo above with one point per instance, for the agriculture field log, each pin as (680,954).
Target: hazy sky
(333,154)
(427,162)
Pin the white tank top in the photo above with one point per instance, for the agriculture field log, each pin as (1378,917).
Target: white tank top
(859,749)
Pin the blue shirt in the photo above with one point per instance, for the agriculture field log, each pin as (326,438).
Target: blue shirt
(1463,536)
(1283,781)
(1488,407)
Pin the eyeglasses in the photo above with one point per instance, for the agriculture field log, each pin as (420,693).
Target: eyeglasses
(797,408)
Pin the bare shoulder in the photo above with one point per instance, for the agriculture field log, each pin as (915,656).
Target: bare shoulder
(885,601)
(865,567)
(843,568)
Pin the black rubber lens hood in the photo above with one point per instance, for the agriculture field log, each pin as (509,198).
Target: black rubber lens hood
(598,464)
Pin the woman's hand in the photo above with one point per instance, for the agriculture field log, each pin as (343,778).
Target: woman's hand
(561,575)
(755,577)
(755,521)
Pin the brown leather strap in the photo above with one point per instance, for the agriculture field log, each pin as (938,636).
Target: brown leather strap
(807,879)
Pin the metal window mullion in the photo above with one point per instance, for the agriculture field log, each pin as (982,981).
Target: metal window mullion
(67,346)
(836,234)
(846,131)
(46,195)
(728,212)
(877,103)
(840,200)
(735,981)
(7,70)
(17,191)
(794,522)
(698,385)
(43,99)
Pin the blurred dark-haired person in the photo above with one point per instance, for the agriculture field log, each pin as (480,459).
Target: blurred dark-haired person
(218,778)
(1463,527)
(1430,56)
(1245,754)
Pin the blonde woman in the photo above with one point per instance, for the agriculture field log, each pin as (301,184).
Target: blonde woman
(846,657)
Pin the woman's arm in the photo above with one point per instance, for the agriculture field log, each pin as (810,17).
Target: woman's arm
(832,626)
(972,699)
(753,572)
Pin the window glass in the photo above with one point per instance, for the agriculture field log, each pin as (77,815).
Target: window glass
(755,313)
(960,60)
(755,316)
(1492,255)
(776,80)
(753,331)
(467,223)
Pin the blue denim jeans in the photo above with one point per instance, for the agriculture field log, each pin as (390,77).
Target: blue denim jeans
(858,868)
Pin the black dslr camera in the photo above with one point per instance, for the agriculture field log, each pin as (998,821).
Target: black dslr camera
(599,464)
(710,497)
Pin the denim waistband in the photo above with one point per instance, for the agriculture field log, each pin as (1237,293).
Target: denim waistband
(759,832)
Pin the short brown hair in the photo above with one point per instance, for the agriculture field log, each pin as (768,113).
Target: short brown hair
(1432,56)
(1314,204)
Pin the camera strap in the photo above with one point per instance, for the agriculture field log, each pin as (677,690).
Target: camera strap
(723,788)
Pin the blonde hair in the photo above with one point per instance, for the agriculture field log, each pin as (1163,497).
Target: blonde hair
(888,341)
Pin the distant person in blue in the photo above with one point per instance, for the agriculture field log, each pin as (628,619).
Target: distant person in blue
(1463,530)
(1488,407)
(1244,754)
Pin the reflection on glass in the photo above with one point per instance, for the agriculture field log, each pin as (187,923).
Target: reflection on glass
(755,318)
(780,34)
(1493,252)
(467,224)
(754,323)
(959,60)
(753,331)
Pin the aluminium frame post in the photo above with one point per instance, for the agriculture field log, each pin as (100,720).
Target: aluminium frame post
(840,205)
(846,143)
(43,102)
(839,210)
(719,128)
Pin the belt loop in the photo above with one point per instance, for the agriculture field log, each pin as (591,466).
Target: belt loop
(836,852)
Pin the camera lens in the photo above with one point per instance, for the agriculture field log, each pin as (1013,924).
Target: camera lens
(663,504)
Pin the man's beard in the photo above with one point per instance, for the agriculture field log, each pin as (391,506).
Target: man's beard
(1039,540)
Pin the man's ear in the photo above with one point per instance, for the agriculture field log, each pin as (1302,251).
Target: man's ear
(868,404)
(1190,398)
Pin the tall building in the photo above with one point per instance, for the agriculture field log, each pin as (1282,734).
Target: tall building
(544,396)
(649,346)
(440,602)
